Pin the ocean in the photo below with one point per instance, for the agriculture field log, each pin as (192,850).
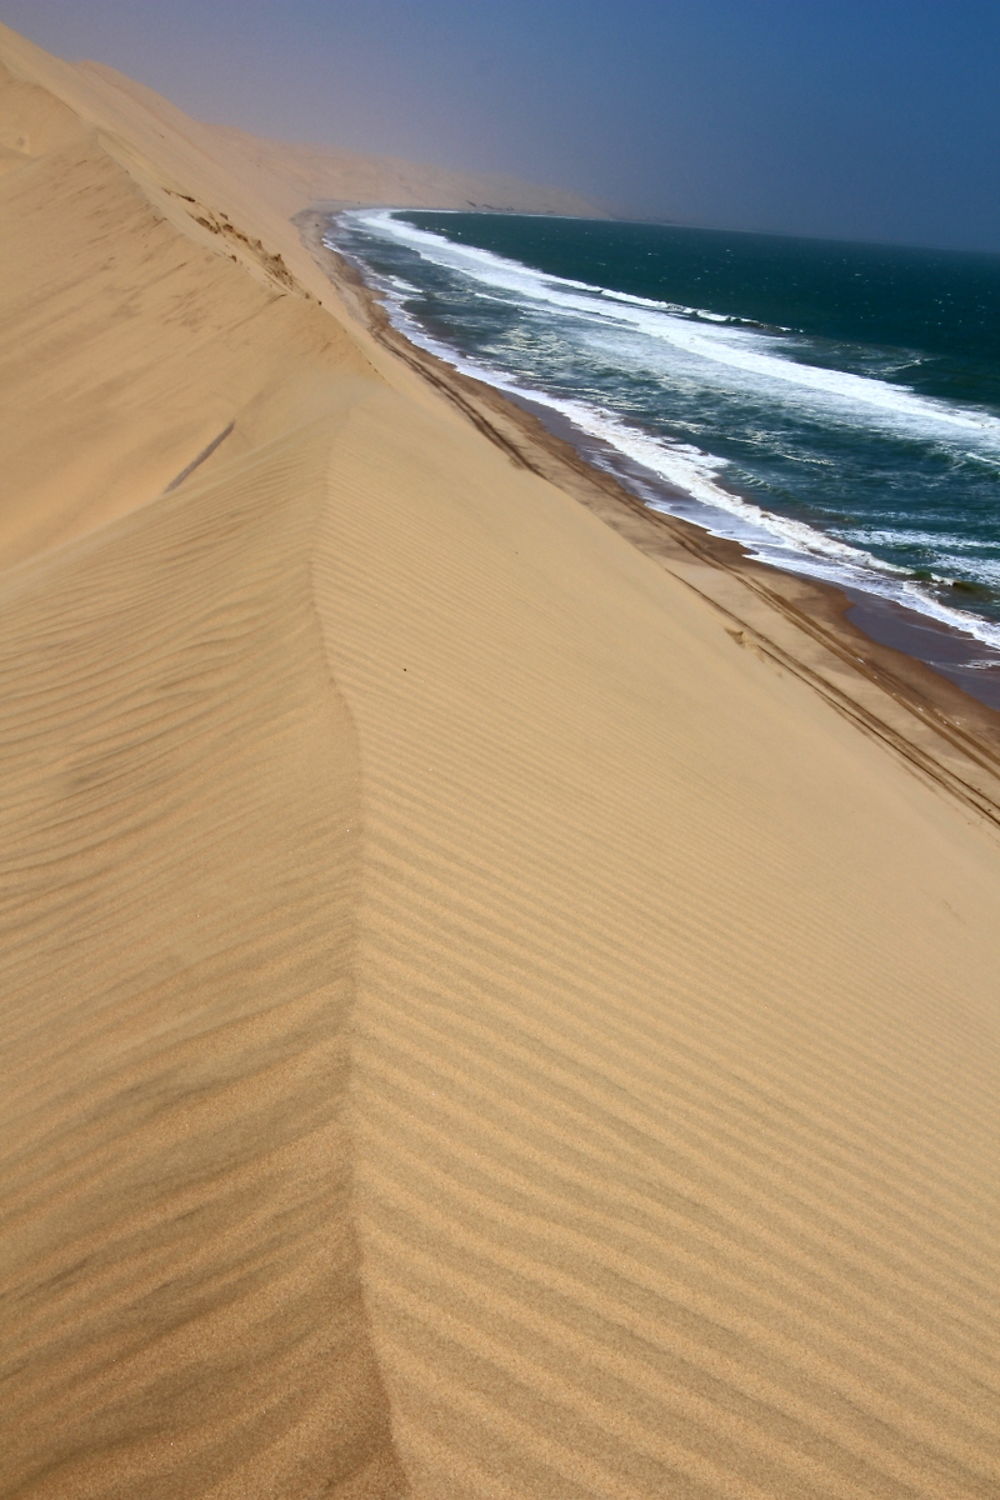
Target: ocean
(834,407)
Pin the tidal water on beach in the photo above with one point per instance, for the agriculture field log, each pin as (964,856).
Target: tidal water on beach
(834,407)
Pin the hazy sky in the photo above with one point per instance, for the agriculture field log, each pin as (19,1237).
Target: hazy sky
(867,119)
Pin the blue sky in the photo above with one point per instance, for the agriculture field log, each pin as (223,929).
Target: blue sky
(876,120)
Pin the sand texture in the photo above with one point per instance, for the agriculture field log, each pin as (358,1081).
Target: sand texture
(495,1005)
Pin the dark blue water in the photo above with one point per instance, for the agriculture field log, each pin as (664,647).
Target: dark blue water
(835,407)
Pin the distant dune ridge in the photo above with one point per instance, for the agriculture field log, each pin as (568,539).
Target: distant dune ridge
(495,1003)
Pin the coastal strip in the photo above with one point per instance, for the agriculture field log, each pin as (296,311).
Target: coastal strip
(878,677)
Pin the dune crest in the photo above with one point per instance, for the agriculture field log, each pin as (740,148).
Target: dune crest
(494,1006)
(181,1290)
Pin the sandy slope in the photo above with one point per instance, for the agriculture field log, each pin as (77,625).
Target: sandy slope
(470,1028)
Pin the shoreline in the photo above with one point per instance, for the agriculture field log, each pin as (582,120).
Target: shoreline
(954,642)
(942,648)
(855,649)
(962,643)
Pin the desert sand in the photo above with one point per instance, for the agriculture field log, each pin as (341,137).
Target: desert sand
(498,1001)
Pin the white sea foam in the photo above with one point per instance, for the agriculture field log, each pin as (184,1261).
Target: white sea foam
(780,541)
(986,569)
(734,356)
(893,536)
(401,285)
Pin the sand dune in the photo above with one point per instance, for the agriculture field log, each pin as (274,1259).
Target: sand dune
(674,1138)
(297,175)
(494,1005)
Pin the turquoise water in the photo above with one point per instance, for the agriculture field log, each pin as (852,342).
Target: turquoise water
(834,407)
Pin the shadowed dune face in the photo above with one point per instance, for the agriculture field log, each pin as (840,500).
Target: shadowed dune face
(469,1029)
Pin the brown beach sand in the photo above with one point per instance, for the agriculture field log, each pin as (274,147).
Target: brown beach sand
(498,999)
